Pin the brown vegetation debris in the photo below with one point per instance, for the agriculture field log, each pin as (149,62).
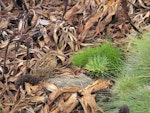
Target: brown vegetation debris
(54,99)
(38,38)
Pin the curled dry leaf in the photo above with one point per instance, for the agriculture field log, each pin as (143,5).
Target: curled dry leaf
(54,95)
(2,86)
(37,99)
(45,109)
(72,12)
(44,22)
(61,55)
(87,101)
(31,90)
(4,44)
(34,19)
(67,106)
(10,6)
(99,85)
(71,103)
(141,2)
(20,26)
(50,87)
(89,104)
(4,23)
(53,18)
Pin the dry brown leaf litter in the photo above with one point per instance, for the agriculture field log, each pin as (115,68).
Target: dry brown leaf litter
(56,100)
(36,39)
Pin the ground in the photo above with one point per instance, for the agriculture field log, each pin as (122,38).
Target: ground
(38,39)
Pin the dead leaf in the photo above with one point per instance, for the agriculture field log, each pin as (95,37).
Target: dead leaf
(71,103)
(99,85)
(55,95)
(10,6)
(4,23)
(50,87)
(4,44)
(34,19)
(71,12)
(61,55)
(89,104)
(44,22)
(46,109)
(38,99)
(31,90)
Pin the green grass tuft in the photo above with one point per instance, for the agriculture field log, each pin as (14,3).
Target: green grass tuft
(138,62)
(114,56)
(97,65)
(81,57)
(125,85)
(1,111)
(133,84)
(139,100)
(99,59)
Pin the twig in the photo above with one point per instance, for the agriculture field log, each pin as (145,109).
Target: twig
(124,6)
(27,56)
(11,38)
(2,4)
(65,4)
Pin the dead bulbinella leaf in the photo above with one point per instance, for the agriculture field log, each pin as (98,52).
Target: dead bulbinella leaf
(4,44)
(88,103)
(10,6)
(44,22)
(4,23)
(31,89)
(50,87)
